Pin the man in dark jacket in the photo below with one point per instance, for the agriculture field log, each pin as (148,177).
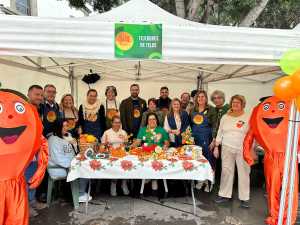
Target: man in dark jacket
(49,110)
(163,102)
(131,111)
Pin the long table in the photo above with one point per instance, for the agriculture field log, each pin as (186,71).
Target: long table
(130,167)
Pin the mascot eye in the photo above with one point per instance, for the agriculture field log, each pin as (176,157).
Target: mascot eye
(281,105)
(1,108)
(20,108)
(266,107)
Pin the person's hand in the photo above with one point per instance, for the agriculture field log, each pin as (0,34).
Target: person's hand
(176,132)
(216,152)
(172,132)
(165,147)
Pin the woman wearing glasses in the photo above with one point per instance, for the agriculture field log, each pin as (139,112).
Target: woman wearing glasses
(115,137)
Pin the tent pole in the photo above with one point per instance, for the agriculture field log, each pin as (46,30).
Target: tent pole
(287,163)
(77,87)
(71,79)
(200,81)
(31,68)
(293,171)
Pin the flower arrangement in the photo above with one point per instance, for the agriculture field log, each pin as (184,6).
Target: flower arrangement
(187,138)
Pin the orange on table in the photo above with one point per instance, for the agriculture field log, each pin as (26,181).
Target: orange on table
(118,152)
(135,151)
(87,138)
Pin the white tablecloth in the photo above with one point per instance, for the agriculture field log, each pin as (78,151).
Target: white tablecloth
(130,167)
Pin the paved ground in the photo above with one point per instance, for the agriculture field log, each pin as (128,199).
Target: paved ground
(148,211)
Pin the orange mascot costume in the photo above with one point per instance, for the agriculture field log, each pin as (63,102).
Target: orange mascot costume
(20,140)
(269,127)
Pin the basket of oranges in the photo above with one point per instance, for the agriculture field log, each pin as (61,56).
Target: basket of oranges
(87,141)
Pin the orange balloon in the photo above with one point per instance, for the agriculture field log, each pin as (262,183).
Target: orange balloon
(283,88)
(298,103)
(296,81)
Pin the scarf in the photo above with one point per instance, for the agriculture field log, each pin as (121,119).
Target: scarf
(89,109)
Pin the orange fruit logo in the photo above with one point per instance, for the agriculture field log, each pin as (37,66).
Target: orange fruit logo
(198,119)
(124,41)
(136,113)
(51,116)
(240,124)
(111,113)
(91,117)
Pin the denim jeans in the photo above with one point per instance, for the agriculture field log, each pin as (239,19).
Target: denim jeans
(28,174)
(83,184)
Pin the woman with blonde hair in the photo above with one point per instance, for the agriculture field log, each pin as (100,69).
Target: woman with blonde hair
(69,113)
(231,133)
(176,122)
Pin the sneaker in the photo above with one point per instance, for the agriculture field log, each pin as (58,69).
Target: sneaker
(113,189)
(199,185)
(220,199)
(84,197)
(32,212)
(245,204)
(154,185)
(125,188)
(38,205)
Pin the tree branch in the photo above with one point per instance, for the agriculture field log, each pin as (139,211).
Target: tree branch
(192,9)
(180,8)
(208,10)
(254,13)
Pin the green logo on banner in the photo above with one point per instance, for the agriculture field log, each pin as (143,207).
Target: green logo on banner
(138,41)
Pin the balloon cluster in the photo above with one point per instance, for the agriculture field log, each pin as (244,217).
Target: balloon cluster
(288,87)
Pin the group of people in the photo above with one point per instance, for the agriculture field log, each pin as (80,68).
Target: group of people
(218,129)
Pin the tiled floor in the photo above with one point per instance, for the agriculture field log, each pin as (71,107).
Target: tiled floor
(148,211)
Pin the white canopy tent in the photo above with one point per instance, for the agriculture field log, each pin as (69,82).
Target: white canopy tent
(69,48)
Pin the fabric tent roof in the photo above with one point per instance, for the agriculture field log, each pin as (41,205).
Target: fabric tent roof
(218,52)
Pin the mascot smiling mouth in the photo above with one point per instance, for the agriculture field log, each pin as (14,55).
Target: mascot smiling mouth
(11,135)
(273,123)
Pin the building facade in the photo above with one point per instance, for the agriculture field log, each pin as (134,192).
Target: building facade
(42,8)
